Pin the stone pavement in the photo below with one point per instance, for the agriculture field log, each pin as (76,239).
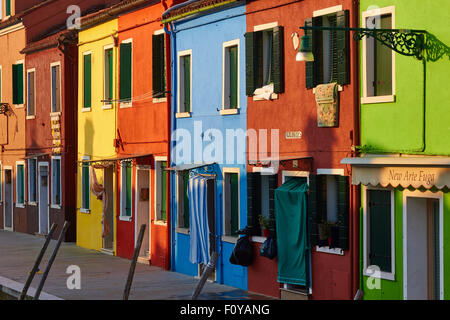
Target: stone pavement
(103,276)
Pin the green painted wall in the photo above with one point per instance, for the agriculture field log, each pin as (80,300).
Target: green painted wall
(398,126)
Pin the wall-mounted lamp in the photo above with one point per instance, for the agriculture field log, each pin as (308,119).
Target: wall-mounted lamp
(305,51)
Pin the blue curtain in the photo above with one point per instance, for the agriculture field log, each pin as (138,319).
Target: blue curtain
(199,230)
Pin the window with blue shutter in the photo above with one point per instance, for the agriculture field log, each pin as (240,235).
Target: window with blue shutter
(56,181)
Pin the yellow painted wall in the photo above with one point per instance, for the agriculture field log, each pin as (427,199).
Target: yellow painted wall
(96,128)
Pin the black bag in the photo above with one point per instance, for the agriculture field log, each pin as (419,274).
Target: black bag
(269,248)
(243,252)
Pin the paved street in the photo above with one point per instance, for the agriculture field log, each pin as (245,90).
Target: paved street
(102,276)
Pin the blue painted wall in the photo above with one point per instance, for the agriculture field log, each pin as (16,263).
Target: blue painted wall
(205,35)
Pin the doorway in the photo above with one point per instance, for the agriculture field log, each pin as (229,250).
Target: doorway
(423,246)
(43,198)
(211,205)
(108,183)
(8,207)
(143,212)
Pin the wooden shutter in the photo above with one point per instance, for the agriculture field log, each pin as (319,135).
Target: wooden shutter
(234,202)
(250,64)
(31,100)
(273,185)
(233,63)
(158,63)
(313,211)
(87,83)
(380,229)
(128,174)
(85,187)
(343,211)
(309,66)
(163,191)
(253,202)
(343,48)
(278,59)
(187,83)
(109,76)
(125,71)
(18,84)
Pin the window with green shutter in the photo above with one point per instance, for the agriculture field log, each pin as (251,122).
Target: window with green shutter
(183,200)
(161,187)
(330,49)
(231,208)
(265,59)
(126,189)
(108,76)
(230,77)
(125,72)
(380,229)
(184,83)
(7,8)
(159,66)
(18,86)
(20,184)
(87,81)
(85,187)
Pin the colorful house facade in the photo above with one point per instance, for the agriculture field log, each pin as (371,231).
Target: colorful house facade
(309,109)
(404,163)
(208,183)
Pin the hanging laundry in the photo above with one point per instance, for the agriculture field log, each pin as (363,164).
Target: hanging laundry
(327,99)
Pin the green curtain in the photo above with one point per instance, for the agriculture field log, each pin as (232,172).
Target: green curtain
(292,237)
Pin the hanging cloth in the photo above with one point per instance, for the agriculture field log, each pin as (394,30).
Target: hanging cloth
(327,100)
(99,191)
(292,237)
(199,229)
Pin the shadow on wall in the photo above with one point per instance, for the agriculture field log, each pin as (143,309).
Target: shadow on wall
(88,136)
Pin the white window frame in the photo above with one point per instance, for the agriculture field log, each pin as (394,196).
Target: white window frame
(85,210)
(228,170)
(156,33)
(54,64)
(25,84)
(31,116)
(428,194)
(130,103)
(226,110)
(181,54)
(376,99)
(106,105)
(158,195)
(20,205)
(180,208)
(32,203)
(367,271)
(8,16)
(83,109)
(56,205)
(123,182)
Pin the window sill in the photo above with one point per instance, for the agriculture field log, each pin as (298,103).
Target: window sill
(19,106)
(55,114)
(20,205)
(160,223)
(86,110)
(32,203)
(369,272)
(82,210)
(107,106)
(225,112)
(230,239)
(273,96)
(340,88)
(337,251)
(55,206)
(125,218)
(159,100)
(259,239)
(182,230)
(183,115)
(379,99)
(31,117)
(124,105)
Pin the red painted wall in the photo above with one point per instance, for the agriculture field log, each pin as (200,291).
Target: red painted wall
(295,110)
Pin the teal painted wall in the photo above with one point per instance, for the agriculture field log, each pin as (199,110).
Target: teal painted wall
(398,126)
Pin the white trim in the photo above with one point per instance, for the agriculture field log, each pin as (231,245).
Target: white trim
(225,46)
(258,239)
(327,249)
(122,216)
(11,29)
(179,55)
(85,210)
(230,170)
(24,81)
(337,172)
(265,170)
(364,16)
(265,26)
(182,115)
(31,116)
(56,205)
(29,182)
(86,109)
(427,194)
(128,104)
(20,205)
(286,173)
(159,100)
(54,64)
(160,158)
(367,271)
(12,199)
(158,32)
(107,47)
(329,10)
(43,164)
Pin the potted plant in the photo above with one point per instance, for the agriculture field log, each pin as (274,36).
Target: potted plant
(327,233)
(264,223)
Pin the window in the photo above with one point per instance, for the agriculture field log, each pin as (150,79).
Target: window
(20,185)
(87,80)
(31,97)
(329,207)
(7,8)
(159,66)
(230,85)
(183,200)
(108,76)
(126,189)
(161,191)
(264,50)
(379,230)
(1,75)
(125,72)
(378,59)
(32,180)
(56,181)
(56,87)
(85,187)
(330,49)
(184,81)
(231,203)
(18,88)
